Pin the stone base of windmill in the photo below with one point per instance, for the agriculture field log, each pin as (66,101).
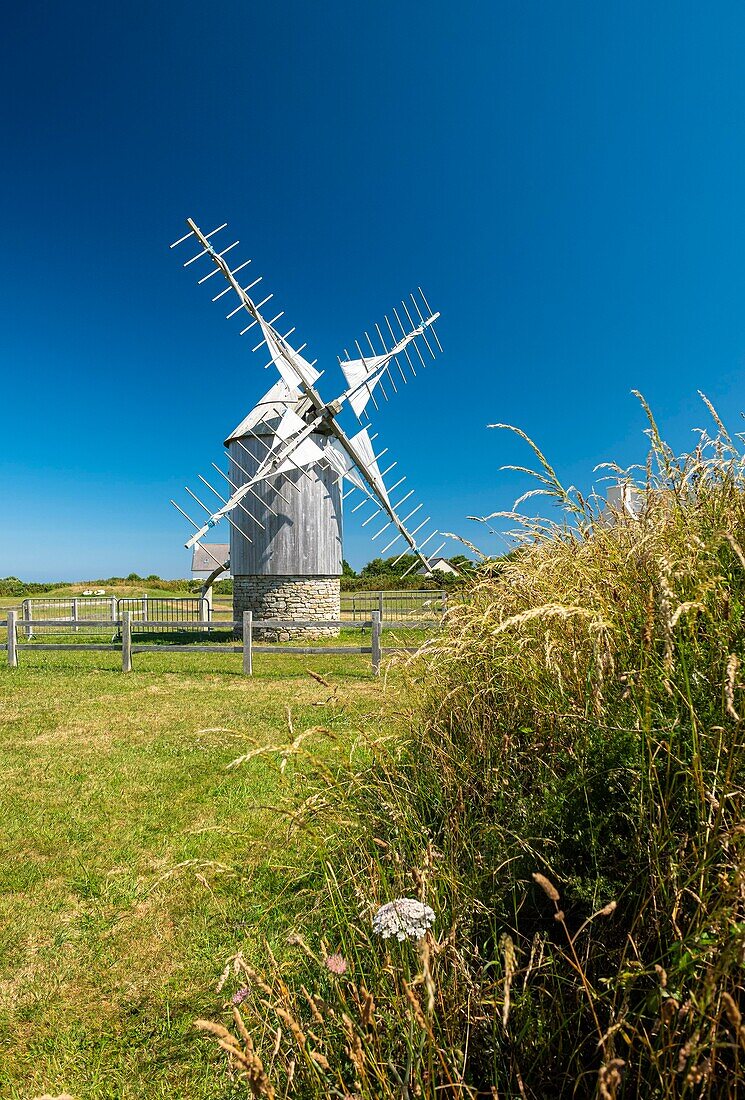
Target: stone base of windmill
(302,599)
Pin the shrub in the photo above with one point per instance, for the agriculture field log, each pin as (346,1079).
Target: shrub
(570,806)
(12,586)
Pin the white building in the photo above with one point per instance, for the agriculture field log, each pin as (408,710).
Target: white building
(438,565)
(203,560)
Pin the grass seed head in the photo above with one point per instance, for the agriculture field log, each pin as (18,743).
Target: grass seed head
(548,887)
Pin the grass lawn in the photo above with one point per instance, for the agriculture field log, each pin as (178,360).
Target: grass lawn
(133,862)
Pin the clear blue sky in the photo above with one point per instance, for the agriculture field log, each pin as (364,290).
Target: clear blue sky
(566,181)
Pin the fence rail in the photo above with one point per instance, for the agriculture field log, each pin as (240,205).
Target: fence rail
(190,612)
(394,603)
(247,624)
(63,615)
(97,614)
(68,613)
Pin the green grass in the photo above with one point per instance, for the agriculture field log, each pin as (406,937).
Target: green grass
(133,862)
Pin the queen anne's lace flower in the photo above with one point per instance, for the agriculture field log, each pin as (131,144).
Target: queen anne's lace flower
(404,918)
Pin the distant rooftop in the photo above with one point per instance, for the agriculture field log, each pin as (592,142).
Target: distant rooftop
(441,565)
(202,562)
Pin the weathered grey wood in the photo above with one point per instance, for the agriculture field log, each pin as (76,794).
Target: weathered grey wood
(334,650)
(229,624)
(304,537)
(404,624)
(70,645)
(27,618)
(88,622)
(186,648)
(290,624)
(199,626)
(247,643)
(126,642)
(206,606)
(305,649)
(12,645)
(375,643)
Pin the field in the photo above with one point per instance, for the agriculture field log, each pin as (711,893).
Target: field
(134,861)
(517,869)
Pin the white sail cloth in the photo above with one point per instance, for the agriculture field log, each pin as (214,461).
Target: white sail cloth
(290,364)
(363,376)
(272,404)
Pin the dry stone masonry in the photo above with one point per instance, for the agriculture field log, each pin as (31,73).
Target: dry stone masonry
(278,597)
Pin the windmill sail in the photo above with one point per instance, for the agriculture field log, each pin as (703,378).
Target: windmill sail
(359,450)
(274,402)
(363,375)
(339,461)
(292,411)
(369,464)
(294,369)
(307,453)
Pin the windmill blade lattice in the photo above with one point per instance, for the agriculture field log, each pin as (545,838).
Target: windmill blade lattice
(292,432)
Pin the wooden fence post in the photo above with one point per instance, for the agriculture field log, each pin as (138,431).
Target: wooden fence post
(126,642)
(380,604)
(248,659)
(26,605)
(12,649)
(75,613)
(375,643)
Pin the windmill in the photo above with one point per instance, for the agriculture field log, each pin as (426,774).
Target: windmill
(291,463)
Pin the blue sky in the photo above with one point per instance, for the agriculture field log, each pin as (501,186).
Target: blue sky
(565,181)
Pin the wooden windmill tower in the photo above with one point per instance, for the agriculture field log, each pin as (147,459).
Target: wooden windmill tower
(289,458)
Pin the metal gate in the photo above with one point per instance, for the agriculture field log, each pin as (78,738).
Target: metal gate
(395,603)
(164,609)
(71,614)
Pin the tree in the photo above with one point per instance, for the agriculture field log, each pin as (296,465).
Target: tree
(389,567)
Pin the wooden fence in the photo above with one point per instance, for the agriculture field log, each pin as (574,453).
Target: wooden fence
(246,646)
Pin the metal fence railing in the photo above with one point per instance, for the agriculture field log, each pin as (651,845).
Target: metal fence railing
(66,614)
(92,614)
(394,603)
(99,614)
(188,611)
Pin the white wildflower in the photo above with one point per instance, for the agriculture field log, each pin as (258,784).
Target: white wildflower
(404,918)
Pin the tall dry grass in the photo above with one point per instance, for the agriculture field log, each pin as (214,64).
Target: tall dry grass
(570,805)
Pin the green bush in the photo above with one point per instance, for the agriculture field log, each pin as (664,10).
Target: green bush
(569,804)
(12,586)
